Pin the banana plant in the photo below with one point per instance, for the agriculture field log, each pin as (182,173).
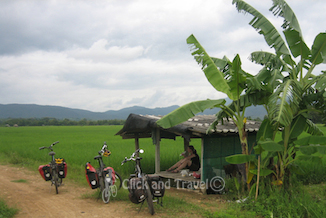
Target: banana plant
(227,77)
(290,81)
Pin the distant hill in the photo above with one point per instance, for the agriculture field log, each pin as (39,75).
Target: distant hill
(41,111)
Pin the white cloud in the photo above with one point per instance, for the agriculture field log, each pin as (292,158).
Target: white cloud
(107,55)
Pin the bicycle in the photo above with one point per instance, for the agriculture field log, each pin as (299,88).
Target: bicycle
(55,171)
(142,186)
(104,178)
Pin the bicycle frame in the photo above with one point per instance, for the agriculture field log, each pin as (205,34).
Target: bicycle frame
(144,180)
(106,180)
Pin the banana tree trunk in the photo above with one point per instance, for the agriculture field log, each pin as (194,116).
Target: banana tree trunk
(244,147)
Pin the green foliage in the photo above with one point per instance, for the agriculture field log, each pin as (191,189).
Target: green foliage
(311,172)
(296,202)
(6,211)
(79,144)
(212,73)
(187,111)
(20,181)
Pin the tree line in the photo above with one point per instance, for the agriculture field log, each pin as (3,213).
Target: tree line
(47,121)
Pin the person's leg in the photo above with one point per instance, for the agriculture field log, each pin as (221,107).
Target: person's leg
(176,165)
(183,165)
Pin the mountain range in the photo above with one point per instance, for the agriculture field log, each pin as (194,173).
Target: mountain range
(58,112)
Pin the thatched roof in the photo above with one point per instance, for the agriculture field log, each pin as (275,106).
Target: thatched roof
(141,126)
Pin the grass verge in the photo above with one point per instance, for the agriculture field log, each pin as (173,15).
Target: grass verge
(6,211)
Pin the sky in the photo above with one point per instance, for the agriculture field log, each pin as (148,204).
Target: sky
(102,55)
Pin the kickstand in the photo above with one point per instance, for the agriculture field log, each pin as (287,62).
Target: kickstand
(160,201)
(99,196)
(141,205)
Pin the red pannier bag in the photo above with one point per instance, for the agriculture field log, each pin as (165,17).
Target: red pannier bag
(91,176)
(45,171)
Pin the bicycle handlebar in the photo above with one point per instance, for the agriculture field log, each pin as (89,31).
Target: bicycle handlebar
(132,157)
(50,147)
(127,159)
(103,149)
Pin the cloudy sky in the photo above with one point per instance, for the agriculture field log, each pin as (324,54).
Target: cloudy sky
(101,55)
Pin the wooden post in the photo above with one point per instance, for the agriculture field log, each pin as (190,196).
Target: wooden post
(157,151)
(202,160)
(185,146)
(137,143)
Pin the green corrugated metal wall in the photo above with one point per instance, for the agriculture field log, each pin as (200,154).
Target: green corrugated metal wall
(216,149)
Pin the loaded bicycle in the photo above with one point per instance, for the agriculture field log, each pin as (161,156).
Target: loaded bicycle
(56,170)
(142,186)
(104,178)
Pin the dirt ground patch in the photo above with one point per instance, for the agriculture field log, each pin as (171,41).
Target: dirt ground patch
(36,198)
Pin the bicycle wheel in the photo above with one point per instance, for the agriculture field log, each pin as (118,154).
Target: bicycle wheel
(101,183)
(149,199)
(106,194)
(114,190)
(55,180)
(118,180)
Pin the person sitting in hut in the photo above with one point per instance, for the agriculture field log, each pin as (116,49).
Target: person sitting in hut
(191,162)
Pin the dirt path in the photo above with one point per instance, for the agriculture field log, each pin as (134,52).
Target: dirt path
(35,198)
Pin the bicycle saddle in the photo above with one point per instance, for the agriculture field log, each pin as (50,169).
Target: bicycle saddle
(97,157)
(52,153)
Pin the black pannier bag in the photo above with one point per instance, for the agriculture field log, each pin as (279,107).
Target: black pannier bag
(45,171)
(136,190)
(157,186)
(91,176)
(62,170)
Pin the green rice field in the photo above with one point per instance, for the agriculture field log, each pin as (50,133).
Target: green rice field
(79,144)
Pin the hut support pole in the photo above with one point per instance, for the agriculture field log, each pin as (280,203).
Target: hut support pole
(157,151)
(185,145)
(137,143)
(202,159)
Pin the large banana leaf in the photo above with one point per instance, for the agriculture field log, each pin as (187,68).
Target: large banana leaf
(240,159)
(270,145)
(222,64)
(282,9)
(212,73)
(187,111)
(258,97)
(237,78)
(265,130)
(267,59)
(298,125)
(312,149)
(312,128)
(262,172)
(311,140)
(296,44)
(318,49)
(264,27)
(233,74)
(284,102)
(292,30)
(321,84)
